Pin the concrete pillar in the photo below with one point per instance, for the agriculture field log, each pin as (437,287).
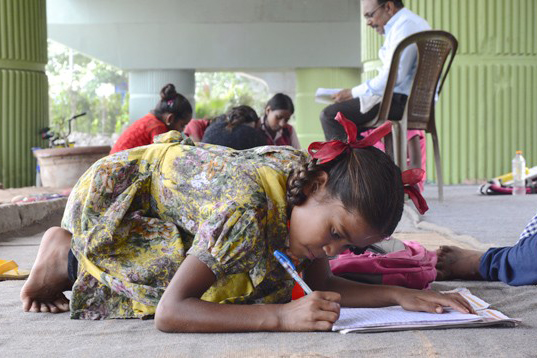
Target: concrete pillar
(145,86)
(23,88)
(307,111)
(487,108)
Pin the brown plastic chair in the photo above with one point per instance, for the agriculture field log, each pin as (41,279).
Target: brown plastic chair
(434,47)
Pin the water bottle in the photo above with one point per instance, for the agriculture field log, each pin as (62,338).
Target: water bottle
(519,174)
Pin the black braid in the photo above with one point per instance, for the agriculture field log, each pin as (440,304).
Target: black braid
(367,182)
(297,181)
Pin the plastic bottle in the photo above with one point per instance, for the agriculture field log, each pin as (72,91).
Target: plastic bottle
(519,174)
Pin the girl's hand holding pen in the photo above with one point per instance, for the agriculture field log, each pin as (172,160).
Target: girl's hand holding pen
(315,312)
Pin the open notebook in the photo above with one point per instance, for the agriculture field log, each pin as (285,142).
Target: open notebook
(396,318)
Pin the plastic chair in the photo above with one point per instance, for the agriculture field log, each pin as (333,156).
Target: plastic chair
(433,49)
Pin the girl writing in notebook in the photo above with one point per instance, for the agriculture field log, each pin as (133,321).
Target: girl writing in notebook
(187,233)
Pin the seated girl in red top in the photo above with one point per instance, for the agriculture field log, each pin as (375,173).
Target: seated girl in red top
(195,129)
(173,112)
(274,121)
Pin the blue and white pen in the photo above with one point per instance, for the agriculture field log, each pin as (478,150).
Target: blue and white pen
(289,267)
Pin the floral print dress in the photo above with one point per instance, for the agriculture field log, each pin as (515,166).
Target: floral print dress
(135,215)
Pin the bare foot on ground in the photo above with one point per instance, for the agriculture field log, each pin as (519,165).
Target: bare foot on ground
(457,263)
(43,291)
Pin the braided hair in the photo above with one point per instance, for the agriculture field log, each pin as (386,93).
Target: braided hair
(365,180)
(240,115)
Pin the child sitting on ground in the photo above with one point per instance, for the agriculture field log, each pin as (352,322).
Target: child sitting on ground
(237,129)
(172,112)
(195,129)
(176,231)
(515,265)
(274,122)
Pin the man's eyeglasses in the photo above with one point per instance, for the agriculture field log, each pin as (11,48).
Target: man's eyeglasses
(370,15)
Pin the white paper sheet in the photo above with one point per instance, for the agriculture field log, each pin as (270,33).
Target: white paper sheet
(396,318)
(396,315)
(324,95)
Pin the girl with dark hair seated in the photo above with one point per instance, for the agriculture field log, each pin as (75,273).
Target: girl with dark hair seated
(237,129)
(173,112)
(274,122)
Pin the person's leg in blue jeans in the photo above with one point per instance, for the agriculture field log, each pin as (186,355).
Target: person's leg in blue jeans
(515,265)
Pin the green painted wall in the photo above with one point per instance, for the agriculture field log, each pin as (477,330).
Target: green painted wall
(488,108)
(307,111)
(23,88)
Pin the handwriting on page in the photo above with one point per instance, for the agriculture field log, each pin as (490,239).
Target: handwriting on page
(388,316)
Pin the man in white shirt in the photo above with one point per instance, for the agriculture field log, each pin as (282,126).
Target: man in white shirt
(391,19)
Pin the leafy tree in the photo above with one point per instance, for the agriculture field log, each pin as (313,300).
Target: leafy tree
(216,92)
(75,84)
(77,80)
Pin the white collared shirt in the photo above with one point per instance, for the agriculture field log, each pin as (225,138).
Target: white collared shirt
(403,24)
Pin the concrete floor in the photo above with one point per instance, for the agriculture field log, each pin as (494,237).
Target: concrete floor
(497,219)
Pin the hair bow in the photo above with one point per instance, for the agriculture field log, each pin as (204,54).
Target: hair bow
(325,152)
(411,178)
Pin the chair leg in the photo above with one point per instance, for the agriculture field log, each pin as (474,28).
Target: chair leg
(388,146)
(396,146)
(399,144)
(414,152)
(403,145)
(438,165)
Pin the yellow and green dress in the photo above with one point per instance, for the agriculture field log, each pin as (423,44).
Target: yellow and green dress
(136,214)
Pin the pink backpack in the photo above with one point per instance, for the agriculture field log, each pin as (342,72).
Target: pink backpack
(412,265)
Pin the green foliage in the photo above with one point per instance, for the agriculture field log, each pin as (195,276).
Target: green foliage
(217,92)
(82,84)
(76,86)
(123,117)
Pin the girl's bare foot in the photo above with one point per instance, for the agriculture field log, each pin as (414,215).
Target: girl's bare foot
(456,263)
(43,291)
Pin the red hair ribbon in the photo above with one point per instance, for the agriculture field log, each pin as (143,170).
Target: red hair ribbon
(411,178)
(325,152)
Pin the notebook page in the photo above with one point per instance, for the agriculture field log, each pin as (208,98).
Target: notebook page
(396,315)
(476,302)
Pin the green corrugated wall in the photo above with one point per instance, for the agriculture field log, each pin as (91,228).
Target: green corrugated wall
(308,124)
(23,88)
(488,108)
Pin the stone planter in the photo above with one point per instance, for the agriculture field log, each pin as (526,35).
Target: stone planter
(61,167)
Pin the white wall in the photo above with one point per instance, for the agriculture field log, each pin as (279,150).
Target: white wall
(255,35)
